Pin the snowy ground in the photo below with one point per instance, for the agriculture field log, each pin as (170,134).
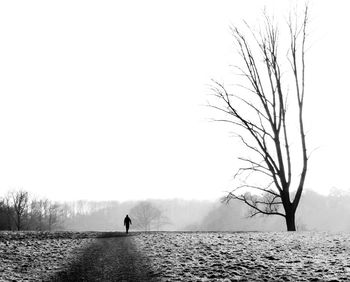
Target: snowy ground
(36,256)
(216,256)
(248,256)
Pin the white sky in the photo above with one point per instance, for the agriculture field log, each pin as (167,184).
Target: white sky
(103,100)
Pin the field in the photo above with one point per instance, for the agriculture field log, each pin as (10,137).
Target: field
(174,256)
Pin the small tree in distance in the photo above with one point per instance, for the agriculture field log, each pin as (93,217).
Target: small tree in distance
(260,116)
(145,216)
(20,200)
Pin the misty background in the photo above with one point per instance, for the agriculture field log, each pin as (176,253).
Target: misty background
(316,213)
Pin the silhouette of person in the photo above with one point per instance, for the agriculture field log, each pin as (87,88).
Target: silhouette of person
(127,222)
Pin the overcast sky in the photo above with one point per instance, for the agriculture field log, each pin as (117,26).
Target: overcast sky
(105,99)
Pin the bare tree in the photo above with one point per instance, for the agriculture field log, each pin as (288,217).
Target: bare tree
(44,214)
(146,216)
(262,120)
(54,215)
(20,205)
(36,215)
(4,222)
(9,212)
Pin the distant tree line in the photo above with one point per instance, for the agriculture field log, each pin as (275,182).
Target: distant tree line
(150,215)
(20,212)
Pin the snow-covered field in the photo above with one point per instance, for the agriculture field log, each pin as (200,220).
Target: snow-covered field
(37,256)
(248,256)
(185,256)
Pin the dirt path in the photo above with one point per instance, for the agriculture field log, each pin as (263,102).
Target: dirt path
(109,259)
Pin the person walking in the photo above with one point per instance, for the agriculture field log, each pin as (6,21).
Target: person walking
(127,223)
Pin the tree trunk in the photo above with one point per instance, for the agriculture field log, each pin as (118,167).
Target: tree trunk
(9,218)
(18,222)
(290,220)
